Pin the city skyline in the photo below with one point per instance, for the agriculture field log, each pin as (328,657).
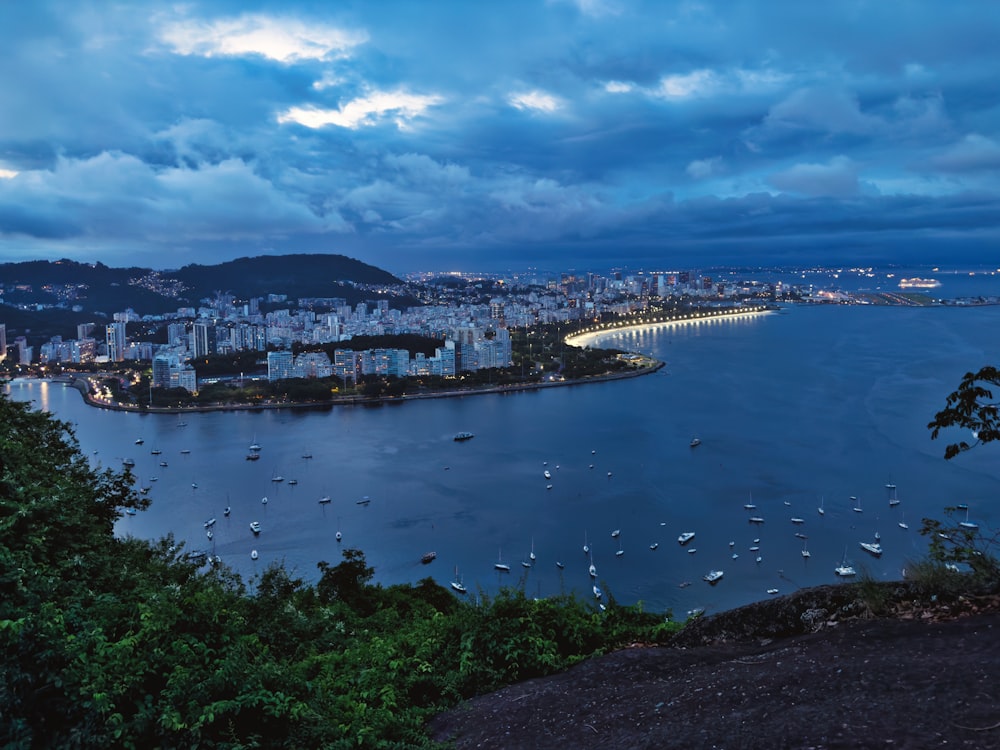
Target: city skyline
(565,133)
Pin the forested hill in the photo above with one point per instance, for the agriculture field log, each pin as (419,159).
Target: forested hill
(299,275)
(97,288)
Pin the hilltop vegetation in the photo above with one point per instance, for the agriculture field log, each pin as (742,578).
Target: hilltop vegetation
(110,642)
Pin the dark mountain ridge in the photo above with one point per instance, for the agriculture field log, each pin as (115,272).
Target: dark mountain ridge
(51,297)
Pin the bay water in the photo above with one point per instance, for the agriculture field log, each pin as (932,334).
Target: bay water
(796,410)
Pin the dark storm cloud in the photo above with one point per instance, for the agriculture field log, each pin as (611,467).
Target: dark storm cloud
(407,132)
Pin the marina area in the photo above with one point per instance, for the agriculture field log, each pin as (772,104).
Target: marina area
(803,413)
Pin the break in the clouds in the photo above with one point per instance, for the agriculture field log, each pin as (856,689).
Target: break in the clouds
(564,132)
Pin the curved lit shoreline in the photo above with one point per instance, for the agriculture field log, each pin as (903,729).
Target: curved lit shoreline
(587,336)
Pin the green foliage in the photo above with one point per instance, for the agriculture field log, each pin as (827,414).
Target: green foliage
(970,407)
(112,642)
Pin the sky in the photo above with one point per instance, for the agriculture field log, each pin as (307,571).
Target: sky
(489,135)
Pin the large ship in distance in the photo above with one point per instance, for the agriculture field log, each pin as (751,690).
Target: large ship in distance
(918,283)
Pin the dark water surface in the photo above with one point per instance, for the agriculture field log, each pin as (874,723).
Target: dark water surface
(794,409)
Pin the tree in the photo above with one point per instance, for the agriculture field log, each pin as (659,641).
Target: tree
(971,407)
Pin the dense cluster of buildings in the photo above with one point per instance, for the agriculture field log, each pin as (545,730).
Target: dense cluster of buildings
(474,323)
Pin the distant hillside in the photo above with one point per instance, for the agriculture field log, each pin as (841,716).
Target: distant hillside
(98,291)
(295,275)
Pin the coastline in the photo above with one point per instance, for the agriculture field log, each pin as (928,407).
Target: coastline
(588,336)
(82,385)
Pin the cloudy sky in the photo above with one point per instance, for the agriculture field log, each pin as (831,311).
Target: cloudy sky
(487,135)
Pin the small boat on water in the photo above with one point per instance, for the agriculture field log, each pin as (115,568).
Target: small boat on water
(695,442)
(586,546)
(227,511)
(756,519)
(459,437)
(597,592)
(616,533)
(547,474)
(263,500)
(255,527)
(844,570)
(967,524)
(139,441)
(185,451)
(155,452)
(293,481)
(559,565)
(820,508)
(128,462)
(428,557)
(686,537)
(130,511)
(500,564)
(856,504)
(363,501)
(713,576)
(253,456)
(772,591)
(209,523)
(798,520)
(457,583)
(873,548)
(654,545)
(325,500)
(253,554)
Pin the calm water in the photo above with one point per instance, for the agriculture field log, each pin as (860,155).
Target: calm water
(794,409)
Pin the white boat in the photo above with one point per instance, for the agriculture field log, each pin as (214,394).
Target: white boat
(457,583)
(902,523)
(586,547)
(500,564)
(654,545)
(844,570)
(798,520)
(531,555)
(856,507)
(805,552)
(597,592)
(363,501)
(263,500)
(893,500)
(459,437)
(616,533)
(130,511)
(254,445)
(620,551)
(139,441)
(873,548)
(691,550)
(820,508)
(227,511)
(325,500)
(185,451)
(756,519)
(967,524)
(559,565)
(209,523)
(255,527)
(592,569)
(695,442)
(713,576)
(253,554)
(293,481)
(686,537)
(547,474)
(772,591)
